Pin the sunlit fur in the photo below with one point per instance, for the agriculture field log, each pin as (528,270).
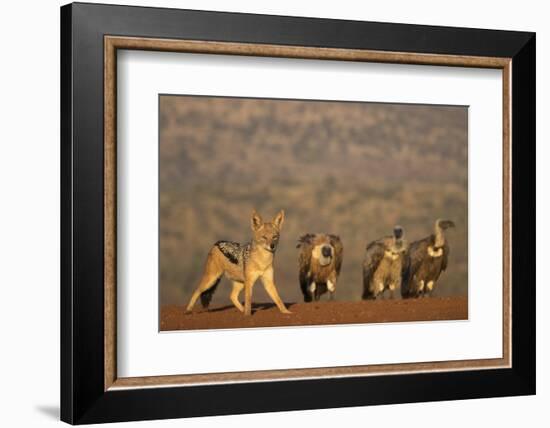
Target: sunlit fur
(243,264)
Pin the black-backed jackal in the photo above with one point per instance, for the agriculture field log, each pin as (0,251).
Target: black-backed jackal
(243,264)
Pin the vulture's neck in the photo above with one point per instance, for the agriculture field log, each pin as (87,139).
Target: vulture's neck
(439,237)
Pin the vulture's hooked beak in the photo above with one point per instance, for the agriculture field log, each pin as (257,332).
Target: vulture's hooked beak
(446,224)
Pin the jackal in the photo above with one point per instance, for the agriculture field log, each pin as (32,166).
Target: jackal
(243,264)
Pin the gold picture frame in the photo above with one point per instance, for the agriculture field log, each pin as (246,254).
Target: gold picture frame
(114,43)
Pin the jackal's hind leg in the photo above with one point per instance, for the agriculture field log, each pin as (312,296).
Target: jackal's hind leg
(237,288)
(207,281)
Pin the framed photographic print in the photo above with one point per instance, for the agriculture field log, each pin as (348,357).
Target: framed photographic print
(280,213)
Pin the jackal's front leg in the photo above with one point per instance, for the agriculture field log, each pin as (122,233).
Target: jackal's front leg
(269,285)
(249,280)
(237,287)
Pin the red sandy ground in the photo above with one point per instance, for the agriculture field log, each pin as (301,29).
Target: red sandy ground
(318,313)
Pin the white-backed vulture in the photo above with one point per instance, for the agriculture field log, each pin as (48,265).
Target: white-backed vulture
(382,267)
(320,261)
(427,259)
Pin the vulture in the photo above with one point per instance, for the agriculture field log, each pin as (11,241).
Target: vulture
(320,261)
(383,264)
(427,258)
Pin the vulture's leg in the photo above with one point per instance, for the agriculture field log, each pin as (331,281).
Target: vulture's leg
(381,289)
(397,285)
(312,287)
(331,288)
(421,288)
(391,287)
(430,288)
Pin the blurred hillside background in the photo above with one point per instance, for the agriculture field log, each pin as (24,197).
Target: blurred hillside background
(353,169)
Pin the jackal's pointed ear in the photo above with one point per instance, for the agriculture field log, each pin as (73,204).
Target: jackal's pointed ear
(256,221)
(279,219)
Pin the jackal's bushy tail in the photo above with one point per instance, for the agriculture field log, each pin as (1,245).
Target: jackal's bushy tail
(206,296)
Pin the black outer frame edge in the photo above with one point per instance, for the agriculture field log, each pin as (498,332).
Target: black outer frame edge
(167,403)
(83,398)
(300,31)
(524,213)
(66,305)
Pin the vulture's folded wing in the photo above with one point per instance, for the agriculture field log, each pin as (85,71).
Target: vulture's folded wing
(336,243)
(375,253)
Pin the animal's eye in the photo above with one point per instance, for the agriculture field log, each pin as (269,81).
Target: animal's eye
(264,238)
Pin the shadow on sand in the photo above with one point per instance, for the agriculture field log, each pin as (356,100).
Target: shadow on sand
(255,307)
